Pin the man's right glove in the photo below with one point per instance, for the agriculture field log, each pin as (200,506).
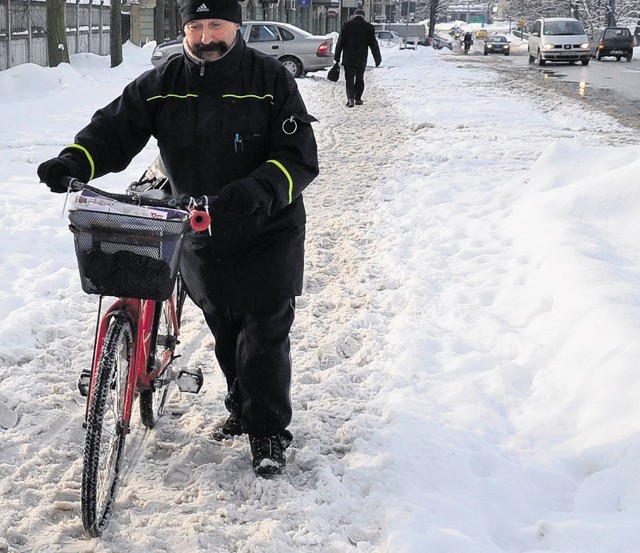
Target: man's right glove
(66,165)
(242,198)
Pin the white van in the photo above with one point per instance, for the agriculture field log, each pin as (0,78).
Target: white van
(558,39)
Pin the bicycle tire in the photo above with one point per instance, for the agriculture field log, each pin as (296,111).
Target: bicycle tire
(105,438)
(164,337)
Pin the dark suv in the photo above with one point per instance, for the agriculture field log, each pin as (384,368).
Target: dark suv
(616,42)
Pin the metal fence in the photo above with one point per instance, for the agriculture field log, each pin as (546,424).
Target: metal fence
(23,30)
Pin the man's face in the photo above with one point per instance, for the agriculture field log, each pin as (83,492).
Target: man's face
(209,39)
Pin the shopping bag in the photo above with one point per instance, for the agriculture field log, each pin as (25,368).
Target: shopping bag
(334,73)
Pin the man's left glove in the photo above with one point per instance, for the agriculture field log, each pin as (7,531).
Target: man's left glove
(66,165)
(242,198)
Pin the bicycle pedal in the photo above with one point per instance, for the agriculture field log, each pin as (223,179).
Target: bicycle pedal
(190,380)
(84,380)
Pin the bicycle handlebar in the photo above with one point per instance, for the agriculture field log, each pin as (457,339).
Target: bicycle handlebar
(133,198)
(199,220)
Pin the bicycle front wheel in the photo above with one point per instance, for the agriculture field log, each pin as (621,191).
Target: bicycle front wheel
(104,442)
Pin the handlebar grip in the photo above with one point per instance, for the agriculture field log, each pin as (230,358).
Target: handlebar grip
(200,220)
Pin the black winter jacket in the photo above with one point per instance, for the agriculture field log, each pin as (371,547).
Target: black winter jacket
(356,37)
(237,118)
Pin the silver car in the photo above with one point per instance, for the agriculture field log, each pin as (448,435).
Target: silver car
(298,50)
(388,38)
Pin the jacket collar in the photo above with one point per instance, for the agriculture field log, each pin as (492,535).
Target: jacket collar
(218,72)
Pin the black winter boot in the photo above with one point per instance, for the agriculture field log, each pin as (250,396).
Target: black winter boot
(232,426)
(268,452)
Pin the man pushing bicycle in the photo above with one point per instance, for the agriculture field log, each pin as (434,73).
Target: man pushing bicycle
(234,134)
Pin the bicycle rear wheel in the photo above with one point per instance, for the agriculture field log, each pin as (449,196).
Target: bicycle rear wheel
(104,442)
(164,339)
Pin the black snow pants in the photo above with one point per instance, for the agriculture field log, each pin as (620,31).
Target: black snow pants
(253,351)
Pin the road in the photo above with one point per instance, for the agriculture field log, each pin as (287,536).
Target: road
(608,74)
(610,86)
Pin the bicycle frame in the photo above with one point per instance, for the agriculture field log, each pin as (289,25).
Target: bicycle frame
(141,313)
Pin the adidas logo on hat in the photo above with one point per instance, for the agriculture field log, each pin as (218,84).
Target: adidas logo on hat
(228,10)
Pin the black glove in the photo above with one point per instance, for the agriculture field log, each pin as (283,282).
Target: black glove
(241,198)
(53,170)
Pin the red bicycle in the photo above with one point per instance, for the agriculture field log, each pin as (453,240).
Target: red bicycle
(128,246)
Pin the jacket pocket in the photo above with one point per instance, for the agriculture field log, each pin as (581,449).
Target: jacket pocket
(250,149)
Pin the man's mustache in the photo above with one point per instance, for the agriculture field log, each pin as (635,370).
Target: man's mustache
(220,47)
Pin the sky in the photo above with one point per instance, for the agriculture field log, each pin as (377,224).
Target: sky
(465,350)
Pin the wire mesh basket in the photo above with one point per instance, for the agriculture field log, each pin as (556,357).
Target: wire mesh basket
(127,256)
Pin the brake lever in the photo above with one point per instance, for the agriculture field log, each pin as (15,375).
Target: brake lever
(73,185)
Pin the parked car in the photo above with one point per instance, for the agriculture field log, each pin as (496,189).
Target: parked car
(162,52)
(617,42)
(298,50)
(439,42)
(558,39)
(497,44)
(388,38)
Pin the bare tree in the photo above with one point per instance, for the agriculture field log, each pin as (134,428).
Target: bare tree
(592,13)
(56,33)
(431,10)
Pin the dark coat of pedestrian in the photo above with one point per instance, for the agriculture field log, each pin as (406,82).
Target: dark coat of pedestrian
(230,125)
(357,37)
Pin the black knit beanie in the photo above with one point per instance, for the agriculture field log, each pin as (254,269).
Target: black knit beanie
(229,10)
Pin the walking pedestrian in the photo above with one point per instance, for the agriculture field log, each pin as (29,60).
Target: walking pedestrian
(357,37)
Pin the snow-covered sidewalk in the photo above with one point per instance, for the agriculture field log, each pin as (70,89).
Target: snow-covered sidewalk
(464,352)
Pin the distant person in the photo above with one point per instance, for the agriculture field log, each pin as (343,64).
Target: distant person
(467,41)
(357,36)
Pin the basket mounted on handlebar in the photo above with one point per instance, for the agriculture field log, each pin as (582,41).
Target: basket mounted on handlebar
(126,251)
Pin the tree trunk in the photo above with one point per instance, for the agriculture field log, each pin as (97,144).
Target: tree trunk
(173,19)
(158,30)
(56,33)
(116,33)
(433,11)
